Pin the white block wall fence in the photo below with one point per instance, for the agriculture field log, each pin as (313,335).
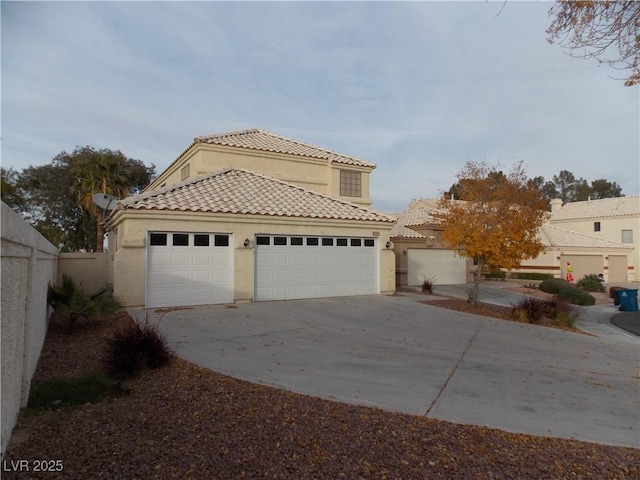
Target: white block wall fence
(29,263)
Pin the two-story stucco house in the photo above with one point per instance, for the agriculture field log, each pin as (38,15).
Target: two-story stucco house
(610,219)
(250,216)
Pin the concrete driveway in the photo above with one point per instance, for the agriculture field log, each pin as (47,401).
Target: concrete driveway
(401,355)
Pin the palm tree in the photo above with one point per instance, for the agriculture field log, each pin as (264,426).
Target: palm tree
(104,171)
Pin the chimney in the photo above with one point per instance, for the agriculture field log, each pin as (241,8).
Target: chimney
(556,205)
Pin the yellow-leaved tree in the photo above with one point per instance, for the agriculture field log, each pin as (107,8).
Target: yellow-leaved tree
(497,220)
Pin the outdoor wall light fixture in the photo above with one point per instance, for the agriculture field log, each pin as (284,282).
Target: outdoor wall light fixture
(388,244)
(246,243)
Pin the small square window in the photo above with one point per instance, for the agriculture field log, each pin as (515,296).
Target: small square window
(627,236)
(185,172)
(201,240)
(350,183)
(369,242)
(327,242)
(158,239)
(356,242)
(221,240)
(341,242)
(596,226)
(313,241)
(279,240)
(296,240)
(180,239)
(263,241)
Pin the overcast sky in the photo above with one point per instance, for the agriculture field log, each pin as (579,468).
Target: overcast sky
(418,88)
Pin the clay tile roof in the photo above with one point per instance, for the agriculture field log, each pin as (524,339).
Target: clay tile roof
(551,236)
(255,139)
(606,207)
(409,218)
(244,192)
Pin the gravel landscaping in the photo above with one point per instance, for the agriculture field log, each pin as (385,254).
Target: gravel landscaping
(183,421)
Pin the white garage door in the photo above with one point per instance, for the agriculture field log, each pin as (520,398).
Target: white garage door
(189,269)
(444,265)
(290,267)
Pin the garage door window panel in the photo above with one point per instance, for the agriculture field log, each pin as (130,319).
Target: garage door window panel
(201,240)
(221,240)
(180,240)
(158,239)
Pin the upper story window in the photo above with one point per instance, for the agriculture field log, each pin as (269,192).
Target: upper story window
(350,183)
(627,236)
(185,172)
(596,226)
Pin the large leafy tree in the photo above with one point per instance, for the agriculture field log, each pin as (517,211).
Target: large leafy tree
(604,30)
(57,198)
(568,188)
(497,223)
(565,185)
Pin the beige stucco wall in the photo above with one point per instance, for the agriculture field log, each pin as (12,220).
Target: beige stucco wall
(28,266)
(311,173)
(133,226)
(610,229)
(91,269)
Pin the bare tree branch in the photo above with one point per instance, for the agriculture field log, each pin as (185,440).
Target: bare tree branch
(608,31)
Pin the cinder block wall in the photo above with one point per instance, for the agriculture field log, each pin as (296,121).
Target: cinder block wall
(28,265)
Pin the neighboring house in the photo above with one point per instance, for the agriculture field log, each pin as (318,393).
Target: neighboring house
(420,255)
(251,216)
(611,219)
(587,254)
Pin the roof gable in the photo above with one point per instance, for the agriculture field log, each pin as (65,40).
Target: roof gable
(255,139)
(603,208)
(243,192)
(411,218)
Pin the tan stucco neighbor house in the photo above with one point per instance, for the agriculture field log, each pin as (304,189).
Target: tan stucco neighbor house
(251,216)
(611,219)
(420,254)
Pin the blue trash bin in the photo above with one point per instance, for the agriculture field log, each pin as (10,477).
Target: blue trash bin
(628,300)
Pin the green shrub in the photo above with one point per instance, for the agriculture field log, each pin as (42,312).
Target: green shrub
(496,275)
(591,283)
(63,392)
(576,296)
(532,309)
(531,276)
(552,285)
(133,348)
(71,303)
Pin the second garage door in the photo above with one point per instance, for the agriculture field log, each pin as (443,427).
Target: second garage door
(444,265)
(293,267)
